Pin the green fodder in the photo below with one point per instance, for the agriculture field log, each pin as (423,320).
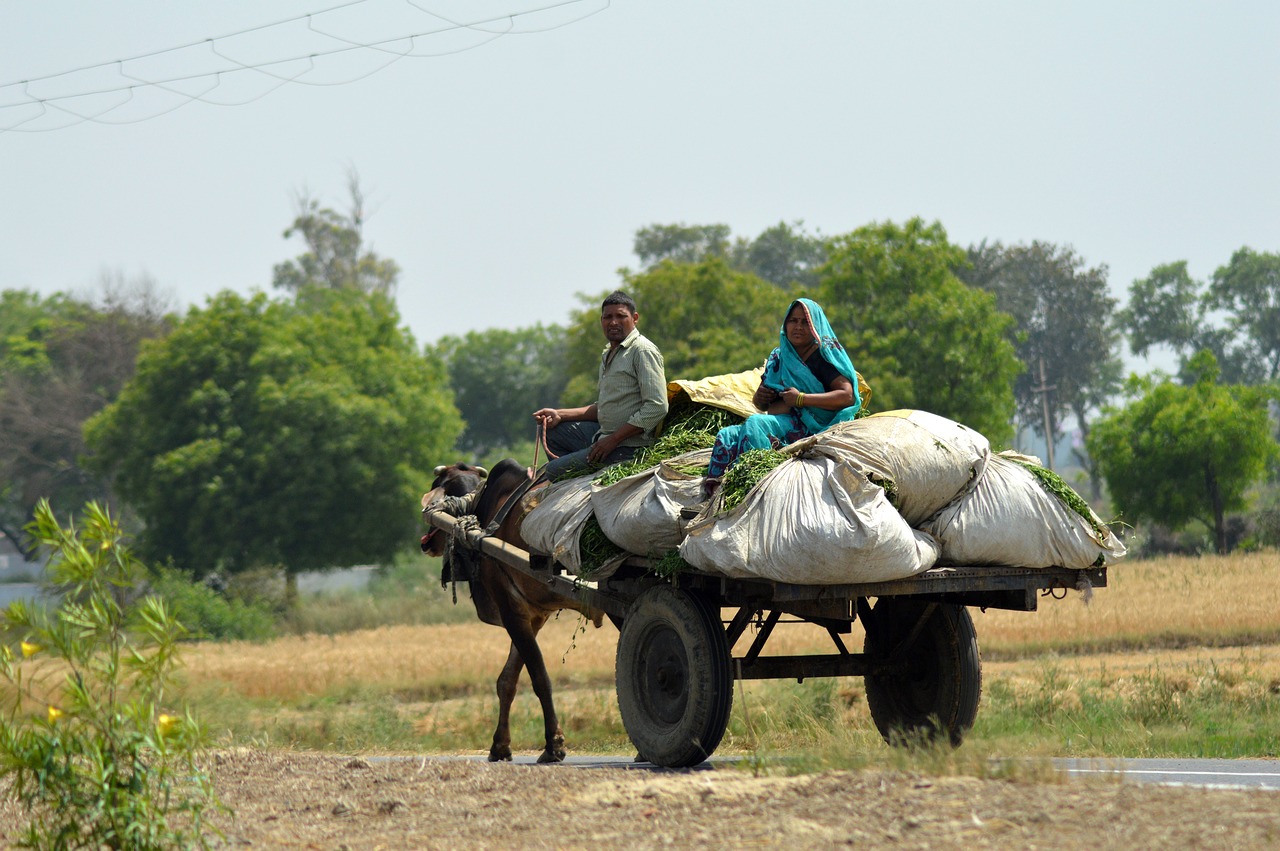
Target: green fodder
(746,472)
(688,415)
(671,564)
(689,426)
(595,547)
(889,486)
(1055,485)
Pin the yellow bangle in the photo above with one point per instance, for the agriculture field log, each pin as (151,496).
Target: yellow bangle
(799,400)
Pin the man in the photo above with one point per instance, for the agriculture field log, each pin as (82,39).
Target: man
(630,403)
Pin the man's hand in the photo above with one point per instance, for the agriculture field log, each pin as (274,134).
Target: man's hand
(548,418)
(603,448)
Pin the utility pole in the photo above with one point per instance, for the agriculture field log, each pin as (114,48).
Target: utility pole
(1044,391)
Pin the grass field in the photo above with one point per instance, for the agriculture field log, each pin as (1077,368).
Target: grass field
(1177,656)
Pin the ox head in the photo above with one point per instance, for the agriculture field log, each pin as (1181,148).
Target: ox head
(451,480)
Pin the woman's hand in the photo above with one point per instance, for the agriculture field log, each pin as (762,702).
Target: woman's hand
(764,397)
(791,396)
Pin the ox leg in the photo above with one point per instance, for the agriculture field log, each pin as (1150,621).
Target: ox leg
(524,639)
(507,682)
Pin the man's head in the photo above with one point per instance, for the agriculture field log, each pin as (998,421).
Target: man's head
(618,317)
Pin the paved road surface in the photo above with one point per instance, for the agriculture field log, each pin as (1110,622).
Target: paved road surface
(1220,773)
(1213,773)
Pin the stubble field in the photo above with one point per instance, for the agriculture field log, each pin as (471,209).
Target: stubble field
(334,741)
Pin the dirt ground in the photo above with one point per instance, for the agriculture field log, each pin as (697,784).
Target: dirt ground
(291,800)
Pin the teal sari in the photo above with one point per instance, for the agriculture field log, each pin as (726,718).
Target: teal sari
(784,369)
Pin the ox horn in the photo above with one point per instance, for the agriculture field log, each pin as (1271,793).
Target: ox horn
(483,473)
(440,470)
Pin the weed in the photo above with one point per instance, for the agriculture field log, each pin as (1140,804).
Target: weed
(98,761)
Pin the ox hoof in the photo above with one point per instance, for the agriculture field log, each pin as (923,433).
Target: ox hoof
(499,754)
(550,756)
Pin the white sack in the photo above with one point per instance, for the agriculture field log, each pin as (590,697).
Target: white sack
(641,513)
(811,521)
(930,459)
(554,524)
(1011,519)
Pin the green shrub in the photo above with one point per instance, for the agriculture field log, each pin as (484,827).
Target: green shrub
(84,737)
(207,614)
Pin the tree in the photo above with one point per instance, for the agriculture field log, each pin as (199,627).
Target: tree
(1248,290)
(783,255)
(61,361)
(1236,316)
(1164,308)
(265,433)
(1064,332)
(705,317)
(335,257)
(920,337)
(1178,454)
(680,243)
(500,377)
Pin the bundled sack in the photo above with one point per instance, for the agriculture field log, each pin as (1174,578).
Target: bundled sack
(810,521)
(924,460)
(1010,518)
(555,519)
(641,513)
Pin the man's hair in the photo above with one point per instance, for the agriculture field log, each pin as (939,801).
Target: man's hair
(619,297)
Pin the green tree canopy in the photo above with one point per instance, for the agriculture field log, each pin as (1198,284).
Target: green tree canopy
(783,254)
(1176,454)
(1065,331)
(336,257)
(1247,289)
(920,337)
(268,433)
(1236,316)
(500,377)
(705,317)
(61,361)
(680,243)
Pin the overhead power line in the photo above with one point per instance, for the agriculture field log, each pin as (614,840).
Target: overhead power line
(100,92)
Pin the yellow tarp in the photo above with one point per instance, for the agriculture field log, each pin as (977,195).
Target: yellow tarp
(733,392)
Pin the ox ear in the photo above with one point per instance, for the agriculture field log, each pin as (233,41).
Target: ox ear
(482,472)
(440,470)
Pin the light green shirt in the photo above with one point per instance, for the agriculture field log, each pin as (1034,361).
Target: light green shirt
(633,388)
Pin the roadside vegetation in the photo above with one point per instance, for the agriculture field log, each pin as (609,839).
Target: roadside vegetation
(1176,658)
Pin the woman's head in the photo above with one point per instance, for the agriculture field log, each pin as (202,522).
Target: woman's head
(798,326)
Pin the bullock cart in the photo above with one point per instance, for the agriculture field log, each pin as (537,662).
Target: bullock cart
(678,655)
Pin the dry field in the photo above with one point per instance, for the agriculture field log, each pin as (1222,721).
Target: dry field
(1195,621)
(1148,610)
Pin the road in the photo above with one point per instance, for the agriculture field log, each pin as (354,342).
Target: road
(1212,773)
(1257,774)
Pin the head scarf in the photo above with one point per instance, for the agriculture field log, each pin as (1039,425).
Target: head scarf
(785,369)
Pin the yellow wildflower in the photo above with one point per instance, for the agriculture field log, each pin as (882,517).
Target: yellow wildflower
(166,723)
(54,714)
(30,648)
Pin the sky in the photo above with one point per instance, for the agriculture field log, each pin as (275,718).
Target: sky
(507,164)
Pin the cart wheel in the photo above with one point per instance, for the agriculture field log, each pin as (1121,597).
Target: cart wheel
(675,686)
(934,685)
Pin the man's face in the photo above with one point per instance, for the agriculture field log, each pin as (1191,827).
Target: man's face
(618,321)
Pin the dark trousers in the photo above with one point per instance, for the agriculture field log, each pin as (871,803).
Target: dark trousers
(572,443)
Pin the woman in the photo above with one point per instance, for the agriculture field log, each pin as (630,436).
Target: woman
(808,384)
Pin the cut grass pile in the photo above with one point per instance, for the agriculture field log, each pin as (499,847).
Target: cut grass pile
(746,472)
(689,427)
